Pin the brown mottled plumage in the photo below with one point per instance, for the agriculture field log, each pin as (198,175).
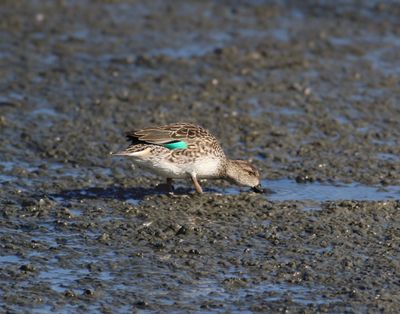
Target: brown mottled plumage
(196,154)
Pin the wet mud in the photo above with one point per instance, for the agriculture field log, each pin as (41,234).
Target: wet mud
(309,91)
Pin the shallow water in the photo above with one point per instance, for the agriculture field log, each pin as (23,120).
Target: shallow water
(286,190)
(276,190)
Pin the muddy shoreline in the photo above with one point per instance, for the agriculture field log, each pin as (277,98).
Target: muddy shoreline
(308,91)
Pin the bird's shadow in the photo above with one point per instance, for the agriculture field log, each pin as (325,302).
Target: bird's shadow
(114,192)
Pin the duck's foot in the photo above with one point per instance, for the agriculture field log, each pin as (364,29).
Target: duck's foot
(173,195)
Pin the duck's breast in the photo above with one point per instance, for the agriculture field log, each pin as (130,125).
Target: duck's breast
(206,167)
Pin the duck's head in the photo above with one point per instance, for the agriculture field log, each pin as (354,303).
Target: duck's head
(242,172)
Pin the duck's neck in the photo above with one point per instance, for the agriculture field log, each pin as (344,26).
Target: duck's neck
(232,169)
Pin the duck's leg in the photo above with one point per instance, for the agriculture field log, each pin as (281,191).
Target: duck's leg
(169,184)
(196,183)
(166,187)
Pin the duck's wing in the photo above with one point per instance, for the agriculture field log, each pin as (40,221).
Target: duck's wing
(170,133)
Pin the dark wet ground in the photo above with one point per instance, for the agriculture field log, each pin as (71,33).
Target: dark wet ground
(309,90)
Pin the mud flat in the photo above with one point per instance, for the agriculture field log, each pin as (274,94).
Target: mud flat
(308,91)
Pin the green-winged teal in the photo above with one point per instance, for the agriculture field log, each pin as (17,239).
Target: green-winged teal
(184,150)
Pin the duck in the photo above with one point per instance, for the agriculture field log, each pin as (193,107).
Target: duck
(187,151)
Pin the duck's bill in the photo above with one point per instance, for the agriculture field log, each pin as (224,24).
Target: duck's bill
(258,189)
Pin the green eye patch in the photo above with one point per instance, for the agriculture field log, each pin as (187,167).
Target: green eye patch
(176,145)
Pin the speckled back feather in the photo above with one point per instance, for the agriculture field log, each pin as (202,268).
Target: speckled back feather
(200,141)
(168,133)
